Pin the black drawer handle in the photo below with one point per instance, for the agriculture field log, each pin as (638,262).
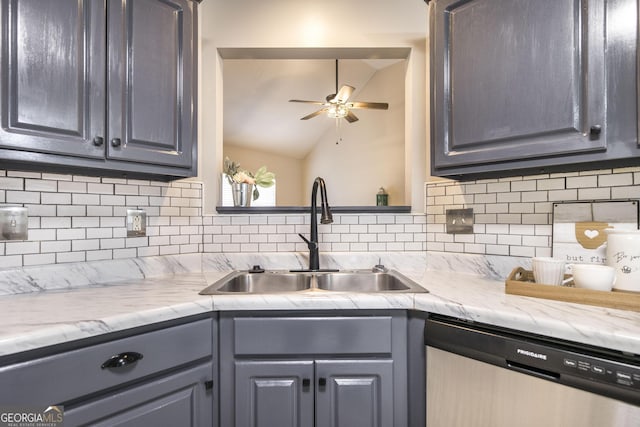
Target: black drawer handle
(322,382)
(116,142)
(98,141)
(306,382)
(121,360)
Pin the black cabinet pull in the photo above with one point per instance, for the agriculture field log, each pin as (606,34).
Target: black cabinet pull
(121,360)
(595,131)
(306,382)
(322,382)
(98,141)
(208,385)
(115,142)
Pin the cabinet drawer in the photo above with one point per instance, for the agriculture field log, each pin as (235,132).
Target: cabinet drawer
(66,376)
(312,335)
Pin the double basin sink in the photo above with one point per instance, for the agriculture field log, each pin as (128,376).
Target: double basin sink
(276,281)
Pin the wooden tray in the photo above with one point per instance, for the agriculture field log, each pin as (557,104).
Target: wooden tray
(520,282)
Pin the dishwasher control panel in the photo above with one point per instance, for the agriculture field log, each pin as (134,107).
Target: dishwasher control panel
(558,364)
(600,370)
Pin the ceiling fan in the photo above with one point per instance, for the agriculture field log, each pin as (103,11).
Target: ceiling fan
(337,105)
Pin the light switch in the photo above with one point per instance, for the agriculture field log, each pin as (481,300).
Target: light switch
(14,223)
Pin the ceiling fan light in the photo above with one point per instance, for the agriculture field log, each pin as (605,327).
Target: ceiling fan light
(337,111)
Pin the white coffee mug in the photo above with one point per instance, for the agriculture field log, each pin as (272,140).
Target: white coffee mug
(593,276)
(548,271)
(623,254)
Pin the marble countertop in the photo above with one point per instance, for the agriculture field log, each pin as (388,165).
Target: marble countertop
(36,320)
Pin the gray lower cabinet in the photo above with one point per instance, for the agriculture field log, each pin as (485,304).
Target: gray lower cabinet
(180,399)
(164,377)
(528,86)
(274,393)
(306,369)
(356,393)
(323,393)
(100,87)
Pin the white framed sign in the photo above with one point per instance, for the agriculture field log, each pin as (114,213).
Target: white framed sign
(579,228)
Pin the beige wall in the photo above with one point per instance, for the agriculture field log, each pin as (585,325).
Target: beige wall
(298,24)
(287,169)
(376,139)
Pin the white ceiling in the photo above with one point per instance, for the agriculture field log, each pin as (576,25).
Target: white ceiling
(256,111)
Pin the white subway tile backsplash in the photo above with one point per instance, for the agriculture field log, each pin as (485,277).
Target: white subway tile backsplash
(626,192)
(615,180)
(9,261)
(55,222)
(563,195)
(20,197)
(85,245)
(11,183)
(72,187)
(71,234)
(551,184)
(594,193)
(517,222)
(582,181)
(528,185)
(40,185)
(38,259)
(19,248)
(71,210)
(131,253)
(55,246)
(87,217)
(36,235)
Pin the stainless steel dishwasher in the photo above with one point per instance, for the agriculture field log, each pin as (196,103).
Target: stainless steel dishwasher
(478,375)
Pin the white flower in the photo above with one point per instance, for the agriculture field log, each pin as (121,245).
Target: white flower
(243,177)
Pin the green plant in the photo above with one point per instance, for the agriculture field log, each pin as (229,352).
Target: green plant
(235,174)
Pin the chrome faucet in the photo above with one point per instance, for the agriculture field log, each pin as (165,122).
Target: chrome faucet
(325,218)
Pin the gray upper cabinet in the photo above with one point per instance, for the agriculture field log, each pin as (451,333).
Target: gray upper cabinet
(151,82)
(52,77)
(518,84)
(99,87)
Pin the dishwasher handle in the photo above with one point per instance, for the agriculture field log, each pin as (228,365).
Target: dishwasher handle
(532,370)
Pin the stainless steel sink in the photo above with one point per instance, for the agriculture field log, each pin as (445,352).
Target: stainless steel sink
(275,281)
(367,281)
(259,283)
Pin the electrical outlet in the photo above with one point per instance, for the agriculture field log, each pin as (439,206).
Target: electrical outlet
(459,221)
(14,223)
(136,223)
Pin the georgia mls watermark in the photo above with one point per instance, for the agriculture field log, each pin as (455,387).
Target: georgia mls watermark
(32,416)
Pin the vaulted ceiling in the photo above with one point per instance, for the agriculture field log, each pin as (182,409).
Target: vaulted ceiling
(256,111)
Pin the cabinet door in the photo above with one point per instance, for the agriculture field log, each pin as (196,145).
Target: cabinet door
(52,66)
(274,393)
(354,393)
(151,78)
(181,399)
(514,80)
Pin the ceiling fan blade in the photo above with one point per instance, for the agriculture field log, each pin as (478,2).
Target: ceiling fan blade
(371,105)
(343,94)
(315,113)
(307,102)
(350,117)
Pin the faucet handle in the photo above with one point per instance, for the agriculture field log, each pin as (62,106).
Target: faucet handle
(310,244)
